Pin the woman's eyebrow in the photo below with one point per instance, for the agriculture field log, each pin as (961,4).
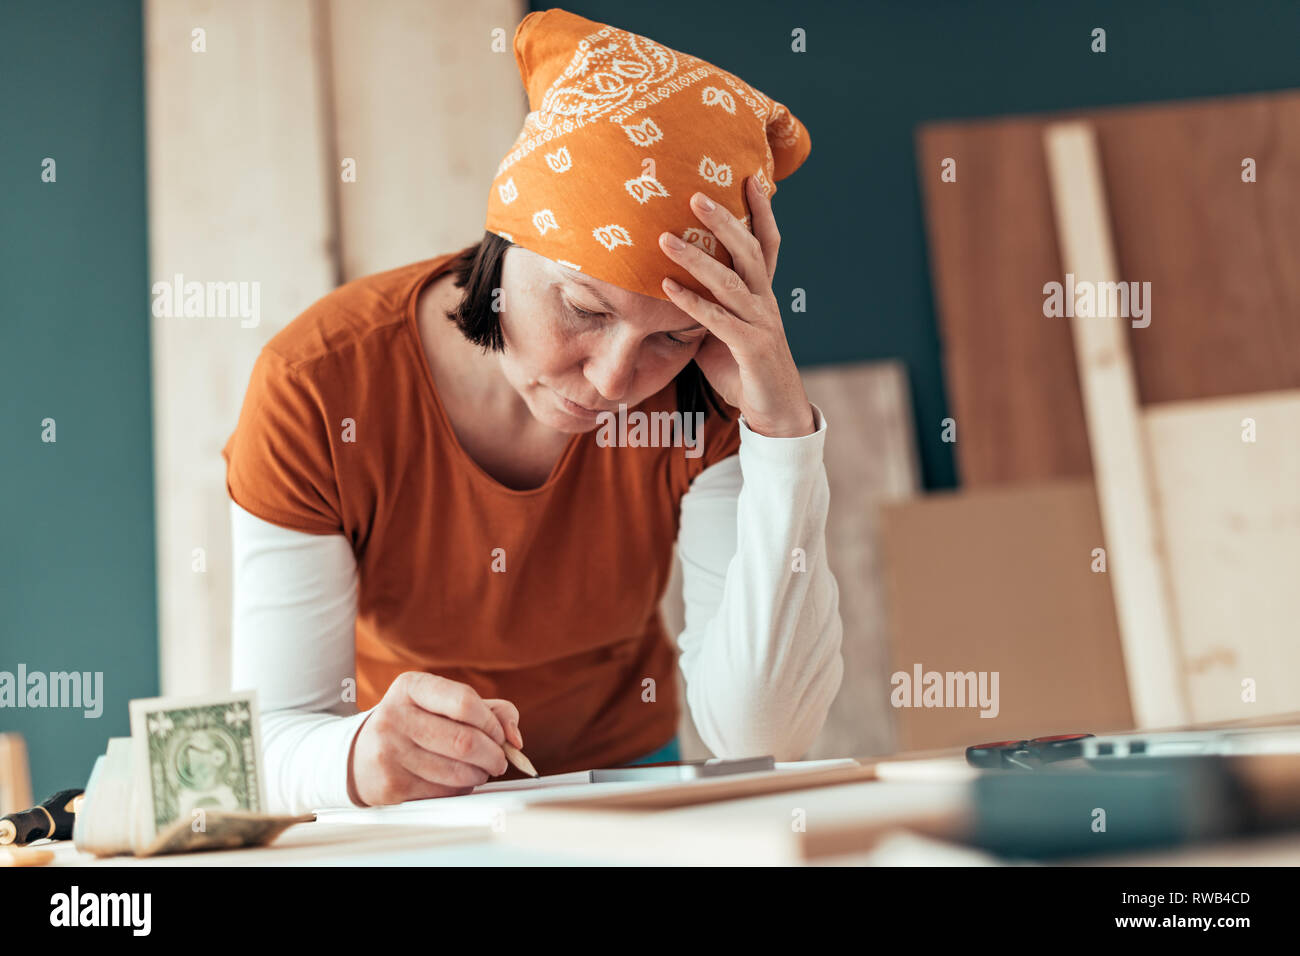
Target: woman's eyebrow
(604,302)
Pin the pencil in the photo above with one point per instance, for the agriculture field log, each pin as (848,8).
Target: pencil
(516,757)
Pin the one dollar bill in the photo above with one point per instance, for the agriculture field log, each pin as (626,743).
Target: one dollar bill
(195,754)
(220,830)
(189,778)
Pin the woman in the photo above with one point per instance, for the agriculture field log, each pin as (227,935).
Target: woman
(445,509)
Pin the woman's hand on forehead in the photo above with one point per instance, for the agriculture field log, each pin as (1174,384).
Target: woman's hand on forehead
(747,357)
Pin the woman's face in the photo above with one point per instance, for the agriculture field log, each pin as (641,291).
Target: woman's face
(577,346)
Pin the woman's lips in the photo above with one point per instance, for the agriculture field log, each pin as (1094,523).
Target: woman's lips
(576,408)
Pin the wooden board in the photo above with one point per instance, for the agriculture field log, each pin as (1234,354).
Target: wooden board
(870,460)
(774,829)
(1133,531)
(1001,580)
(236,193)
(1219,253)
(1009,371)
(303,844)
(245,142)
(426,109)
(1231,512)
(15,775)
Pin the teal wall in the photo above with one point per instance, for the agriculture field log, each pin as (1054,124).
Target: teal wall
(77,560)
(77,555)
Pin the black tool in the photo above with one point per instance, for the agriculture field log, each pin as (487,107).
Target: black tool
(53,819)
(1025,754)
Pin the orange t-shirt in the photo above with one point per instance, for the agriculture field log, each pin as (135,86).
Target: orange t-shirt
(571,629)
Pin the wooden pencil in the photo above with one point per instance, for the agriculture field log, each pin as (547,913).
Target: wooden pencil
(516,757)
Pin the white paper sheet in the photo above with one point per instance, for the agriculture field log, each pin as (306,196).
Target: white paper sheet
(486,805)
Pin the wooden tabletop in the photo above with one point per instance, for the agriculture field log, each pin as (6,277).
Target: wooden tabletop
(903,817)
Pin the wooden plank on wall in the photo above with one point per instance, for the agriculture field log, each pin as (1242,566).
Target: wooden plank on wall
(1009,371)
(426,108)
(237,193)
(1227,474)
(870,461)
(245,142)
(1219,254)
(1134,542)
(1001,580)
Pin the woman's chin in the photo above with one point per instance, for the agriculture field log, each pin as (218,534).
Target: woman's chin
(553,410)
(574,427)
(563,421)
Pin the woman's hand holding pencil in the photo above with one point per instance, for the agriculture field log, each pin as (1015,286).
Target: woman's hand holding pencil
(432,737)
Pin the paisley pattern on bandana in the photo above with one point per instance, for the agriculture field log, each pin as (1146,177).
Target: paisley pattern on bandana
(621,132)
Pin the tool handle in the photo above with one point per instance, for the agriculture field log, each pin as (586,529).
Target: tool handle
(52,819)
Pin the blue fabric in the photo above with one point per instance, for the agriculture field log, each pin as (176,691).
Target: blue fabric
(670,751)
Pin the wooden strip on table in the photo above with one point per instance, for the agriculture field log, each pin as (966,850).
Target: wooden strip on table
(790,827)
(713,789)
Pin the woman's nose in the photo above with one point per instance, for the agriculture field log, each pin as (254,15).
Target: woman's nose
(611,367)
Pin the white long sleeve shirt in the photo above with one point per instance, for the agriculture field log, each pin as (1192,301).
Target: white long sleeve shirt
(760,652)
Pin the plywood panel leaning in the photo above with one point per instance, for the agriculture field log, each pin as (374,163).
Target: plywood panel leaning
(1227,477)
(238,220)
(870,461)
(1003,587)
(1204,206)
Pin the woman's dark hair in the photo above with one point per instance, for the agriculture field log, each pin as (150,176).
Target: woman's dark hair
(477,270)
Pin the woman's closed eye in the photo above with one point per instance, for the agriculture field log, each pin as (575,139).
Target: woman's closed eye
(587,315)
(581,313)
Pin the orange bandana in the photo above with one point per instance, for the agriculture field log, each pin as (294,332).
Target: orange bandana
(622,132)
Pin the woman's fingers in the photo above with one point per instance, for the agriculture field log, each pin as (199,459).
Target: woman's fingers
(454,741)
(747,253)
(721,369)
(763,221)
(726,284)
(450,698)
(416,775)
(508,714)
(729,329)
